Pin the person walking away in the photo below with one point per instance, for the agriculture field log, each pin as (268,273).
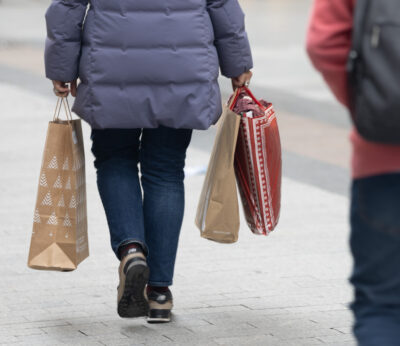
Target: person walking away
(148,75)
(375,200)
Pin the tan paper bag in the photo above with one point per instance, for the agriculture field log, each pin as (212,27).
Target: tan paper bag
(218,209)
(59,238)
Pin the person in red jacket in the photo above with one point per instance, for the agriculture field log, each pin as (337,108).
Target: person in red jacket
(375,221)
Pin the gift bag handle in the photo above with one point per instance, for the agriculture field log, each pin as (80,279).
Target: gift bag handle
(248,92)
(62,101)
(234,98)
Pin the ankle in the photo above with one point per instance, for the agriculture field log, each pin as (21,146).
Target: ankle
(127,249)
(158,289)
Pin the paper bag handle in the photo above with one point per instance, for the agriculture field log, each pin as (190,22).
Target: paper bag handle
(62,101)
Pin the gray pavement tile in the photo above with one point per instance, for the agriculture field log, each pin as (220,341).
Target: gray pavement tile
(319,308)
(45,316)
(153,339)
(8,339)
(229,329)
(60,332)
(337,320)
(210,310)
(80,341)
(4,321)
(341,339)
(347,329)
(120,342)
(37,340)
(26,332)
(300,342)
(256,340)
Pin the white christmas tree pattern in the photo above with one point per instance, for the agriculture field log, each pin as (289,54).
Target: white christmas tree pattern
(65,166)
(53,163)
(72,203)
(68,184)
(77,164)
(43,180)
(36,217)
(61,202)
(57,184)
(52,219)
(67,221)
(47,199)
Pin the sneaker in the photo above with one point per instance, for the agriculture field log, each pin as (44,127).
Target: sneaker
(160,306)
(133,277)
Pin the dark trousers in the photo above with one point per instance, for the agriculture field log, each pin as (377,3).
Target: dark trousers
(152,218)
(375,244)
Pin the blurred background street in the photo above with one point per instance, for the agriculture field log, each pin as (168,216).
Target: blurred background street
(287,289)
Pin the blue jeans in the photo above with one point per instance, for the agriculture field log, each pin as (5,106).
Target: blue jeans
(375,244)
(154,218)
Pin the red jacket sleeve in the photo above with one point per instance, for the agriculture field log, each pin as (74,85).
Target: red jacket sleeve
(329,42)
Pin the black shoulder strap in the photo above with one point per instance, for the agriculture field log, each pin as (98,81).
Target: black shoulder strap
(359,22)
(360,18)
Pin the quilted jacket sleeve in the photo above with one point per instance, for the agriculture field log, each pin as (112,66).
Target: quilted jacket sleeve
(230,37)
(64,19)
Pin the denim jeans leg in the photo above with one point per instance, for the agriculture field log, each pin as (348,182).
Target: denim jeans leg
(375,245)
(162,160)
(116,158)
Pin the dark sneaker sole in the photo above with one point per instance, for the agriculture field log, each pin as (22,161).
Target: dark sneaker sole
(159,316)
(133,302)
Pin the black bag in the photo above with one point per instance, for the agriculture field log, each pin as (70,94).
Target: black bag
(374,70)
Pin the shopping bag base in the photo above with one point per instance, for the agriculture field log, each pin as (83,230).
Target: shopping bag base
(53,254)
(217,238)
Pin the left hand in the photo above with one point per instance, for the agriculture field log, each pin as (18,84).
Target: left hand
(243,79)
(61,88)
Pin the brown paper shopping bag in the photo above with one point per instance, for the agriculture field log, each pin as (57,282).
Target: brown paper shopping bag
(59,237)
(218,210)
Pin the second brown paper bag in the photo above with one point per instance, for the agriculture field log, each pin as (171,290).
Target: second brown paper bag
(218,210)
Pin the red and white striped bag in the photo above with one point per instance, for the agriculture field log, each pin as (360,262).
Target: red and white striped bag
(258,162)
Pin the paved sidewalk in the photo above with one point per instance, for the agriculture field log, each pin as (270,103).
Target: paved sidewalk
(286,289)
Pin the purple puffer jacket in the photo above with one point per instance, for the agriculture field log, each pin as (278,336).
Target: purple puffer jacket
(145,63)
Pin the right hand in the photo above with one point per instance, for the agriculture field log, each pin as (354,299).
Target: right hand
(243,79)
(62,89)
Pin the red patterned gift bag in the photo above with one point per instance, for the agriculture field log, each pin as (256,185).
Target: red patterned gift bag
(258,162)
